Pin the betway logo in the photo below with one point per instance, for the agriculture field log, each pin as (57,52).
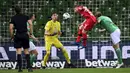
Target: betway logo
(53,64)
(100,63)
(8,65)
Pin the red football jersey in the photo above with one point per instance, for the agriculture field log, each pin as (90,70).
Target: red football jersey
(86,13)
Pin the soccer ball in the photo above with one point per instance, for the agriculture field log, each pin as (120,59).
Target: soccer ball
(66,16)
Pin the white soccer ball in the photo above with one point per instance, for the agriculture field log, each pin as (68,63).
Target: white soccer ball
(66,16)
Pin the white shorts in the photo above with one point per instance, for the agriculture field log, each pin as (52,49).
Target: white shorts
(32,46)
(115,36)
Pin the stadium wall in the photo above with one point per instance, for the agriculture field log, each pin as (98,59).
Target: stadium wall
(97,55)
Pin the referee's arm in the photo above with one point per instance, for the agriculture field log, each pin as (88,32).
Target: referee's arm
(11,29)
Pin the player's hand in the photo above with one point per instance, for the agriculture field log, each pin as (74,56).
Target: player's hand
(12,37)
(81,27)
(59,33)
(36,39)
(83,31)
(75,9)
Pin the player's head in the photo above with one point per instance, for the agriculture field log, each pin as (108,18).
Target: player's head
(17,9)
(32,16)
(98,14)
(77,8)
(54,16)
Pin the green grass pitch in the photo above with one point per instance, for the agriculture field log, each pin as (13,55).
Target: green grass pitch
(76,70)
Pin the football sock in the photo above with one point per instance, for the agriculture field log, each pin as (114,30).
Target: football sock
(45,59)
(19,60)
(28,60)
(84,35)
(79,36)
(118,52)
(32,58)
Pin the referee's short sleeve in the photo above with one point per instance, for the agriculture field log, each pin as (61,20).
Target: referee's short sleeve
(47,26)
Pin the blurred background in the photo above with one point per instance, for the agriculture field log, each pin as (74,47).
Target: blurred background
(118,10)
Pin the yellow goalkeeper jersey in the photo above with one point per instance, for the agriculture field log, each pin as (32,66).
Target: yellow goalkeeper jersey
(52,27)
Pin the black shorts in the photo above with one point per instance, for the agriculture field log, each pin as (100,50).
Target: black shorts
(21,40)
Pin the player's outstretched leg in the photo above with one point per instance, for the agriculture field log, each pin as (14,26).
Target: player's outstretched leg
(33,55)
(79,35)
(44,61)
(19,59)
(67,57)
(27,56)
(77,42)
(118,52)
(84,43)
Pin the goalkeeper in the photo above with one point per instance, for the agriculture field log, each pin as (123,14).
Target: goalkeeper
(52,31)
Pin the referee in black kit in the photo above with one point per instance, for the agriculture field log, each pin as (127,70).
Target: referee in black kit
(21,38)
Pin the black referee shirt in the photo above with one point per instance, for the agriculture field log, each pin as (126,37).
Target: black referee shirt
(20,23)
